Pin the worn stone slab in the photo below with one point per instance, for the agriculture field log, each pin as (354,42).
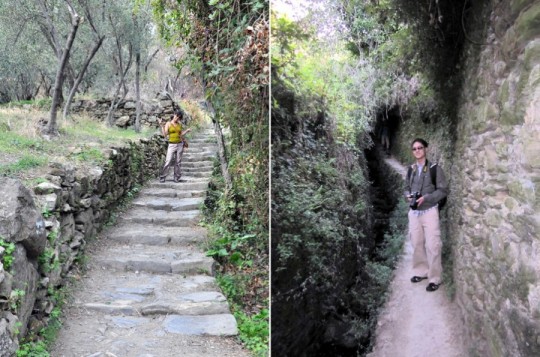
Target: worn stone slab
(111,309)
(185,308)
(181,186)
(198,157)
(203,169)
(151,235)
(126,322)
(206,174)
(161,218)
(172,192)
(130,336)
(107,286)
(200,164)
(127,297)
(168,204)
(144,291)
(164,192)
(213,325)
(160,261)
(201,296)
(195,264)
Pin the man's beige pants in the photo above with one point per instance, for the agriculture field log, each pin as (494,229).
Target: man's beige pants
(171,149)
(425,233)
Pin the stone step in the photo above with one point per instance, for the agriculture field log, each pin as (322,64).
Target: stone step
(152,235)
(181,186)
(98,335)
(201,174)
(133,304)
(199,151)
(158,260)
(198,164)
(198,158)
(171,192)
(211,325)
(206,170)
(168,204)
(208,138)
(160,217)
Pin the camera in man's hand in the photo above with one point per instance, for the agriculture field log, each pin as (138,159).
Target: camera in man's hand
(414,196)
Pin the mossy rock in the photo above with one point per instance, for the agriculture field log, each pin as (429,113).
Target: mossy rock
(522,190)
(518,5)
(504,92)
(528,24)
(510,117)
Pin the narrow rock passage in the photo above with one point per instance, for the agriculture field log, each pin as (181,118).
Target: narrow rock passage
(149,290)
(414,322)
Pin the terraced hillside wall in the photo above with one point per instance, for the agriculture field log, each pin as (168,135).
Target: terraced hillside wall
(124,116)
(44,232)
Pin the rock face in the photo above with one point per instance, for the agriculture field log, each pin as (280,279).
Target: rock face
(74,206)
(495,215)
(22,225)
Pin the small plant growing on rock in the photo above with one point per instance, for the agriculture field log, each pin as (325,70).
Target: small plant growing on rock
(15,298)
(6,250)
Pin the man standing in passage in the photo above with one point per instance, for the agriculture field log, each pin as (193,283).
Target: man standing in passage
(424,228)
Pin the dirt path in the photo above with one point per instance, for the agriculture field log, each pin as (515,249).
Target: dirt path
(414,322)
(149,289)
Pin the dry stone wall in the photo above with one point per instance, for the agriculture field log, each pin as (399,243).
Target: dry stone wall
(43,232)
(124,115)
(495,215)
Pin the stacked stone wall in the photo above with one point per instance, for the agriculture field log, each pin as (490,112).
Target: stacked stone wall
(49,228)
(125,113)
(494,220)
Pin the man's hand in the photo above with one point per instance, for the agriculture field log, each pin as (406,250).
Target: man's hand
(420,201)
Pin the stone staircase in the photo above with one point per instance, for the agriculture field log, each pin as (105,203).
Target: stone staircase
(149,289)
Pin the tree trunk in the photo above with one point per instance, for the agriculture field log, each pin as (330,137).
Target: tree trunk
(221,148)
(138,91)
(52,128)
(81,75)
(121,84)
(222,156)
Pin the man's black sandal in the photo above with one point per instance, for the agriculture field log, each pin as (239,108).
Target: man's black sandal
(417,279)
(432,287)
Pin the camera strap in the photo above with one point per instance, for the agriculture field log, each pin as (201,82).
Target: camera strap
(410,175)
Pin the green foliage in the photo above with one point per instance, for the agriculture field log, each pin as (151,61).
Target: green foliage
(26,162)
(48,260)
(254,331)
(317,67)
(38,346)
(52,236)
(89,155)
(33,349)
(7,256)
(253,327)
(15,298)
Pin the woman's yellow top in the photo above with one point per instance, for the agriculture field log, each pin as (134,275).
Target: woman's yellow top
(175,132)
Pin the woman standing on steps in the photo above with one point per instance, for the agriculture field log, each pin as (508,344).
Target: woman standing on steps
(425,186)
(173,131)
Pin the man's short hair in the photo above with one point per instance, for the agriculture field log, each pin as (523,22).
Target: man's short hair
(421,141)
